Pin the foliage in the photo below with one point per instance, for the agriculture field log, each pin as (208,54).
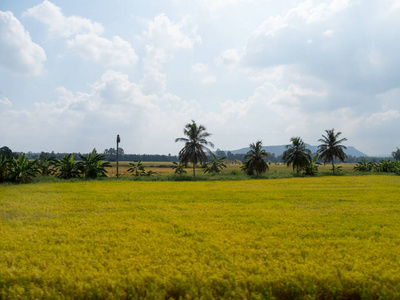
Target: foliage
(254,159)
(47,165)
(22,170)
(179,168)
(296,154)
(363,166)
(320,238)
(6,152)
(331,148)
(311,168)
(195,145)
(92,166)
(138,169)
(67,168)
(396,154)
(215,165)
(4,167)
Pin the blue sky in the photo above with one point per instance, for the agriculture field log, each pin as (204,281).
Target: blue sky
(74,74)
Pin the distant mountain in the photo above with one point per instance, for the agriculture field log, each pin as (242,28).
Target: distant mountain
(278,150)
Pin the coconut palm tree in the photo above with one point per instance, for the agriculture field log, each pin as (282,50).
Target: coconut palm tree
(296,154)
(254,159)
(195,145)
(331,148)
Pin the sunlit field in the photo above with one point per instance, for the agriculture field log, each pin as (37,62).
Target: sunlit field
(165,168)
(335,237)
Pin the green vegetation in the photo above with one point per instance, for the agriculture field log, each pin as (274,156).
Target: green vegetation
(216,165)
(296,154)
(195,145)
(384,166)
(335,237)
(254,160)
(331,148)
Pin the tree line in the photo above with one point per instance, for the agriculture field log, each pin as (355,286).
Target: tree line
(296,155)
(21,168)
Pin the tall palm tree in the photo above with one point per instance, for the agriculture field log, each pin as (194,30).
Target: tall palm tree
(254,159)
(296,154)
(331,148)
(195,145)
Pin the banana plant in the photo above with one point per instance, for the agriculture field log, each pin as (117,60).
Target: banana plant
(47,165)
(311,169)
(138,169)
(22,170)
(92,166)
(179,168)
(4,167)
(363,166)
(67,168)
(215,165)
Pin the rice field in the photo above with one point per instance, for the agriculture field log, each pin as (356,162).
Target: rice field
(296,238)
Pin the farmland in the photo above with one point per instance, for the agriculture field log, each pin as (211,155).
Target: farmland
(326,237)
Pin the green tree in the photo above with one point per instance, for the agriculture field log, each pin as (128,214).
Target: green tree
(254,159)
(4,167)
(179,168)
(215,165)
(92,166)
(296,154)
(331,148)
(6,152)
(138,169)
(363,166)
(396,154)
(22,170)
(46,165)
(311,168)
(67,168)
(195,145)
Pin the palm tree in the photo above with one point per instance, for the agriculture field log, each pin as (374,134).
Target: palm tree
(195,145)
(254,159)
(296,154)
(331,148)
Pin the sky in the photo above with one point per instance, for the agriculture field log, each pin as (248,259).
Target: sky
(74,74)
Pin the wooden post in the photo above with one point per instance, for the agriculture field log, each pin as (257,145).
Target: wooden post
(118,140)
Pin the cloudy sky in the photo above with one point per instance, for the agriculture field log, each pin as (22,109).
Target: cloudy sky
(74,74)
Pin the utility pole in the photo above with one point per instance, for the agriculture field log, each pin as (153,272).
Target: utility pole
(118,141)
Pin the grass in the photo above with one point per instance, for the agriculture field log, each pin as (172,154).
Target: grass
(232,172)
(335,237)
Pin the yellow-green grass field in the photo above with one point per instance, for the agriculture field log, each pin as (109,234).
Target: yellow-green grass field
(165,168)
(297,238)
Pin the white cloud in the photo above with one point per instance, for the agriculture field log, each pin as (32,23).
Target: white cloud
(19,55)
(311,12)
(59,25)
(209,79)
(328,33)
(163,38)
(383,116)
(5,102)
(114,104)
(162,33)
(228,58)
(91,47)
(200,68)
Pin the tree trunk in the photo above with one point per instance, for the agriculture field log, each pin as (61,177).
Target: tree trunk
(194,169)
(333,167)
